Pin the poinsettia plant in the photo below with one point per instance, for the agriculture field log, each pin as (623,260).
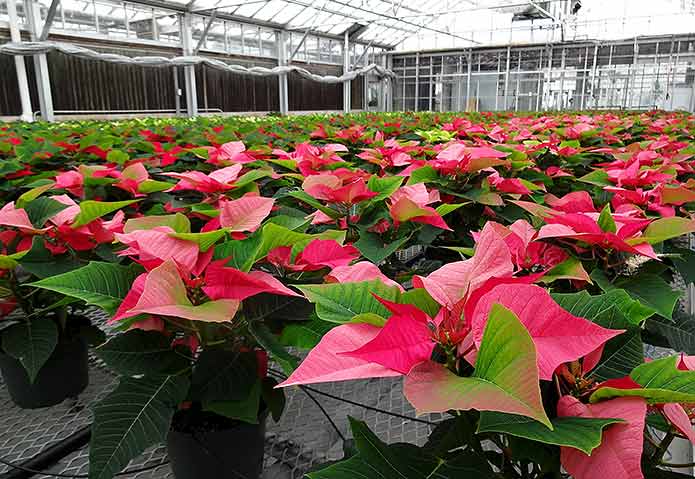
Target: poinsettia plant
(512,269)
(42,237)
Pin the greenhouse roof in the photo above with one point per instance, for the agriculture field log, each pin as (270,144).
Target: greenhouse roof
(430,24)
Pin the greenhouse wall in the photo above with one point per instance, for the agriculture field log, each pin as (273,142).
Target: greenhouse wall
(81,85)
(636,74)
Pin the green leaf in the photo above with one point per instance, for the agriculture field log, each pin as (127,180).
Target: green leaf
(374,249)
(91,210)
(40,262)
(620,356)
(615,309)
(99,284)
(377,460)
(31,343)
(606,221)
(205,240)
(33,193)
(268,341)
(453,433)
(571,268)
(250,177)
(649,289)
(153,186)
(305,334)
(243,410)
(178,222)
(204,209)
(10,261)
(141,352)
(663,229)
(385,186)
(484,197)
(505,377)
(274,235)
(340,302)
(266,307)
(426,174)
(221,375)
(596,177)
(661,380)
(680,334)
(293,223)
(41,209)
(685,263)
(240,254)
(447,208)
(311,201)
(579,433)
(135,416)
(369,318)
(422,300)
(117,156)
(273,397)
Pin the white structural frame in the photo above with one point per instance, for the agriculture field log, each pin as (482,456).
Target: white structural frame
(20,66)
(651,72)
(192,41)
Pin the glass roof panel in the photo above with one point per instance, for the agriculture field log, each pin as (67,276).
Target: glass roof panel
(428,24)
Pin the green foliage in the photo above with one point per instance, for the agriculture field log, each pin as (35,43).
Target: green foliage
(340,302)
(133,417)
(99,284)
(31,343)
(377,460)
(141,352)
(91,210)
(579,433)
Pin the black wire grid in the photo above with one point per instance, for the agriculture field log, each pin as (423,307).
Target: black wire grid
(309,433)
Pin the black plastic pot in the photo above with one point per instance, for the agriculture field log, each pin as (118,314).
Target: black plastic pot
(65,375)
(233,453)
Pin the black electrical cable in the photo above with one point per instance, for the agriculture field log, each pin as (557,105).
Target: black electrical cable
(78,476)
(325,413)
(355,403)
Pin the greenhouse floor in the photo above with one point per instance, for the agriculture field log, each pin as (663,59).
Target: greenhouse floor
(303,439)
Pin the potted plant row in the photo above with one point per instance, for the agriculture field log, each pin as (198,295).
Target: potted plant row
(547,263)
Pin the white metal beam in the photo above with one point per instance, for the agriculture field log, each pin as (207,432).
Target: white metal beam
(189,71)
(346,69)
(205,32)
(20,66)
(283,90)
(49,19)
(43,80)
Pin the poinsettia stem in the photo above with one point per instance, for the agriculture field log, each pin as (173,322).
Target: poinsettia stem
(651,440)
(62,315)
(677,466)
(26,306)
(663,446)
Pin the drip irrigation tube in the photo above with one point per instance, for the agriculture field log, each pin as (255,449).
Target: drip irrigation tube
(49,456)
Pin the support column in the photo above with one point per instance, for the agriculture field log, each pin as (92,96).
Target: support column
(346,69)
(189,71)
(283,90)
(389,85)
(20,66)
(43,80)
